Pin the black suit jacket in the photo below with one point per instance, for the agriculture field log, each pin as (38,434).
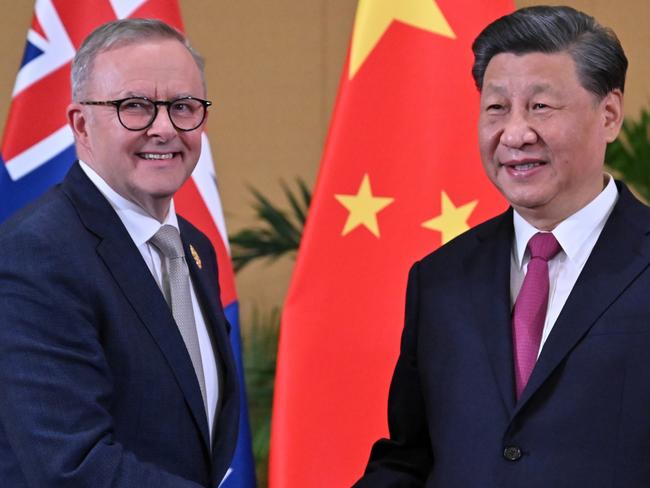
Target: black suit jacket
(97,388)
(583,419)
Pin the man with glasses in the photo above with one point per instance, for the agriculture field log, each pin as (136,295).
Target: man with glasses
(115,365)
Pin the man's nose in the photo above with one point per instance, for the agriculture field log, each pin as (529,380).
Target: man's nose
(518,130)
(162,125)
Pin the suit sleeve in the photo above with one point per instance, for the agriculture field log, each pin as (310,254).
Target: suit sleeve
(55,381)
(405,459)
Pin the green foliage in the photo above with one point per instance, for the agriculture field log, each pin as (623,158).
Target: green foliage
(278,232)
(260,342)
(629,155)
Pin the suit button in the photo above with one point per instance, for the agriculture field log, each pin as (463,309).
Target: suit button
(512,453)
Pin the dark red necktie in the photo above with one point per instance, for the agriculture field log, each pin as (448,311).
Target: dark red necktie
(529,311)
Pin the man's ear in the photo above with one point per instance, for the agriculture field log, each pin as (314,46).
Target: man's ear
(78,123)
(612,106)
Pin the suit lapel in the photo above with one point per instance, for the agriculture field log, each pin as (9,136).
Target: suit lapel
(208,295)
(131,274)
(488,277)
(619,256)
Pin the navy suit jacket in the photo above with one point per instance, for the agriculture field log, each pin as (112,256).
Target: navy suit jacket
(96,386)
(583,419)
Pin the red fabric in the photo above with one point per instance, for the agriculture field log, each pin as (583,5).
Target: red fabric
(408,121)
(191,205)
(38,109)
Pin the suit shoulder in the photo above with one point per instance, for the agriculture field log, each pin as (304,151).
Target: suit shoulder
(637,210)
(50,218)
(47,241)
(463,245)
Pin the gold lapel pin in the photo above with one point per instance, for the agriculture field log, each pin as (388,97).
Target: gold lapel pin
(195,255)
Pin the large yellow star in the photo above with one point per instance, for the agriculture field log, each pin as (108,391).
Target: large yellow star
(375,16)
(452,220)
(363,208)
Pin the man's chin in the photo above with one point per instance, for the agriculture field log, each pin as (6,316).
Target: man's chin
(162,184)
(524,201)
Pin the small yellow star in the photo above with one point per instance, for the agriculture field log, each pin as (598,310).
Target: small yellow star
(452,220)
(374,17)
(363,208)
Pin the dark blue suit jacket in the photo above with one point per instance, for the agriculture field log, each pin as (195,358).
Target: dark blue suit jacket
(583,419)
(96,386)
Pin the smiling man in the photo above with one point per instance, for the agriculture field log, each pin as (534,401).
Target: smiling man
(115,366)
(524,358)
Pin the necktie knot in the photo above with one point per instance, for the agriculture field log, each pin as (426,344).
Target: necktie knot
(168,241)
(543,245)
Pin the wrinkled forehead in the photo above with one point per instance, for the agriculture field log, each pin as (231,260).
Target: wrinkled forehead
(133,50)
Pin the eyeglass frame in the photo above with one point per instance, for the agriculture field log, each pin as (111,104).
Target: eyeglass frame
(156,104)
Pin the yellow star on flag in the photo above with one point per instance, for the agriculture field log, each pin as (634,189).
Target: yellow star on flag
(363,208)
(452,220)
(375,16)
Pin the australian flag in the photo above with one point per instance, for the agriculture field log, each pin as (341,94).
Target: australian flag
(38,149)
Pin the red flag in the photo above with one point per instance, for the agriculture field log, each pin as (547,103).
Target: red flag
(400,175)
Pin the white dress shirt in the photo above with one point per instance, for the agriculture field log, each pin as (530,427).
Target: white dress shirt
(577,236)
(141,227)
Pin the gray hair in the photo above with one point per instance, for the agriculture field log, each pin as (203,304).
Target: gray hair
(118,34)
(596,51)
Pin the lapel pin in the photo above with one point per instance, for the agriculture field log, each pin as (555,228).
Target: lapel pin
(195,255)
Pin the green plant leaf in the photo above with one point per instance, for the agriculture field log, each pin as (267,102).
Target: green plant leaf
(277,232)
(629,155)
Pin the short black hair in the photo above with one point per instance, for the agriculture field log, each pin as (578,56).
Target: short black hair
(595,49)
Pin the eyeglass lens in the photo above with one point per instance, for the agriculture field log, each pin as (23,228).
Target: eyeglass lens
(138,113)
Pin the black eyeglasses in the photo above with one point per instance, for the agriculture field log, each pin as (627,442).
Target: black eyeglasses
(138,113)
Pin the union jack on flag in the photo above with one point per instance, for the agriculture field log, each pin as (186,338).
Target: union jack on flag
(38,149)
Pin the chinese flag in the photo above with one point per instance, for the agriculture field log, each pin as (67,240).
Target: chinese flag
(400,176)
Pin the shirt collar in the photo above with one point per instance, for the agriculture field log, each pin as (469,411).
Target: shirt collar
(140,225)
(573,231)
